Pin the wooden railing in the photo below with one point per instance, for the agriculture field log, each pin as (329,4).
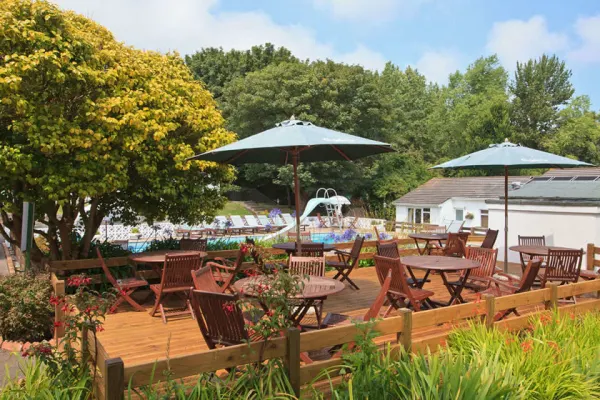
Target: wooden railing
(114,376)
(593,256)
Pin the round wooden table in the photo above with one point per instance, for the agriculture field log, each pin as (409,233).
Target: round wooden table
(427,237)
(315,292)
(290,247)
(443,265)
(536,250)
(156,257)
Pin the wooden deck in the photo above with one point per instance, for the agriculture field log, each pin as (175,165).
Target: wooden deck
(138,338)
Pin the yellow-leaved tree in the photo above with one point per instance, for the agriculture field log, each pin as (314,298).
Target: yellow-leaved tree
(90,127)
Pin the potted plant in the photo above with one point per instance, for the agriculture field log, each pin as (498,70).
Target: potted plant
(135,233)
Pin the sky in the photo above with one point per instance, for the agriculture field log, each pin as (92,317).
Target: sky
(435,36)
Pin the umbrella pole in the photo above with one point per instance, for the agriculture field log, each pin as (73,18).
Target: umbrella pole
(506,219)
(297,200)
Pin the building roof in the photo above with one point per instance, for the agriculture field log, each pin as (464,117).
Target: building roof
(588,171)
(559,190)
(438,190)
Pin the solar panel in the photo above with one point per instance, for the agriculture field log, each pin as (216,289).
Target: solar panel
(541,178)
(563,178)
(586,178)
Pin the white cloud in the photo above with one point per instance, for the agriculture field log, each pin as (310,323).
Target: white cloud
(518,40)
(189,25)
(588,30)
(371,10)
(437,65)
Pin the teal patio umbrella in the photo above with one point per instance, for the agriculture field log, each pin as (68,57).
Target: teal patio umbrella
(509,155)
(293,141)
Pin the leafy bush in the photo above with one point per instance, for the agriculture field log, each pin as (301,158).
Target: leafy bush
(164,244)
(107,249)
(25,314)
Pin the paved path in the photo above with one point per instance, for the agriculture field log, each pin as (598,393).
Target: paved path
(12,361)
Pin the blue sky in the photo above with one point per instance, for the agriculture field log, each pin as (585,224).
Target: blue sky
(436,36)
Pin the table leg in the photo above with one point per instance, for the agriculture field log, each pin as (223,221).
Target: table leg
(414,278)
(455,292)
(418,248)
(301,311)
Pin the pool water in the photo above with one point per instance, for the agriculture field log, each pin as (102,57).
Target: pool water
(322,237)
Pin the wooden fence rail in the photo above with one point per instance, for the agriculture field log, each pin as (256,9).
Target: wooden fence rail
(593,256)
(115,376)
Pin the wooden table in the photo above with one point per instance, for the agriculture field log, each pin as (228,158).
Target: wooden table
(443,265)
(290,247)
(541,251)
(316,289)
(156,257)
(427,237)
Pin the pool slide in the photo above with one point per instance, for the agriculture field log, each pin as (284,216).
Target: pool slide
(337,201)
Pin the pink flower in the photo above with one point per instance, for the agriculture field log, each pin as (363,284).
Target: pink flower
(99,328)
(228,307)
(58,324)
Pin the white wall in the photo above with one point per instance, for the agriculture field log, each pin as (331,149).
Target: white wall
(445,213)
(563,226)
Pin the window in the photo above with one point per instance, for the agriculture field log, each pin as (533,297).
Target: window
(484,218)
(460,214)
(419,215)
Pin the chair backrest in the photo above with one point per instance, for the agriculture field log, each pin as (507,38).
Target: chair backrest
(490,239)
(563,265)
(237,221)
(399,283)
(532,240)
(455,245)
(455,226)
(264,220)
(311,250)
(356,248)
(204,279)
(279,221)
(288,218)
(313,266)
(304,236)
(486,258)
(388,249)
(107,272)
(193,244)
(251,220)
(220,222)
(176,270)
(219,317)
(373,311)
(529,275)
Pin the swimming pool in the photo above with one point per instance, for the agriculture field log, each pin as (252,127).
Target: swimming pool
(322,237)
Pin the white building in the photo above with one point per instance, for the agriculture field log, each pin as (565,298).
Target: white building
(443,200)
(562,205)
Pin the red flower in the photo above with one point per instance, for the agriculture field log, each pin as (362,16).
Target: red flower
(270,313)
(25,354)
(552,344)
(228,307)
(527,346)
(244,248)
(99,328)
(54,300)
(58,324)
(78,281)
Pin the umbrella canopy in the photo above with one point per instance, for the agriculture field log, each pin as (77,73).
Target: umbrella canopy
(293,141)
(509,155)
(313,143)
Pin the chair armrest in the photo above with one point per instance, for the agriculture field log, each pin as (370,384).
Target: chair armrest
(224,261)
(507,276)
(503,284)
(219,266)
(347,253)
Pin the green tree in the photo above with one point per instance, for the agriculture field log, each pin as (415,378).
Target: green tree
(540,88)
(90,127)
(579,133)
(216,68)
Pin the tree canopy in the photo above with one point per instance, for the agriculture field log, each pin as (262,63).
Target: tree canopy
(90,127)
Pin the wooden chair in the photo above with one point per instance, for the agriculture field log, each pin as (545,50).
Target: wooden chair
(193,244)
(530,241)
(455,245)
(176,280)
(506,284)
(322,222)
(304,236)
(400,291)
(352,223)
(310,250)
(312,266)
(225,271)
(389,248)
(204,279)
(347,261)
(479,278)
(490,239)
(125,286)
(562,266)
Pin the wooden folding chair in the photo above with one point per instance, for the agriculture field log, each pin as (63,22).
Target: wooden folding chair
(225,271)
(204,279)
(389,248)
(530,241)
(312,266)
(304,236)
(352,223)
(399,291)
(347,261)
(455,245)
(479,278)
(506,284)
(310,250)
(176,280)
(322,223)
(125,287)
(490,239)
(562,266)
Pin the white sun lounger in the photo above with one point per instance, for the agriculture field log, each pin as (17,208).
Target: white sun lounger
(265,221)
(240,224)
(254,223)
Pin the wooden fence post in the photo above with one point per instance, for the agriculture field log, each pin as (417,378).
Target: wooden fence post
(553,302)
(405,337)
(59,314)
(114,379)
(292,359)
(589,264)
(490,309)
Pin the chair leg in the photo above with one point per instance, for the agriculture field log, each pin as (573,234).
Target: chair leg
(351,282)
(189,306)
(127,297)
(156,304)
(115,305)
(162,313)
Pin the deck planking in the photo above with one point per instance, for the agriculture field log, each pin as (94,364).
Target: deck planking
(138,338)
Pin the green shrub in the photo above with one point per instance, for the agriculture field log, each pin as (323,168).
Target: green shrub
(25,312)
